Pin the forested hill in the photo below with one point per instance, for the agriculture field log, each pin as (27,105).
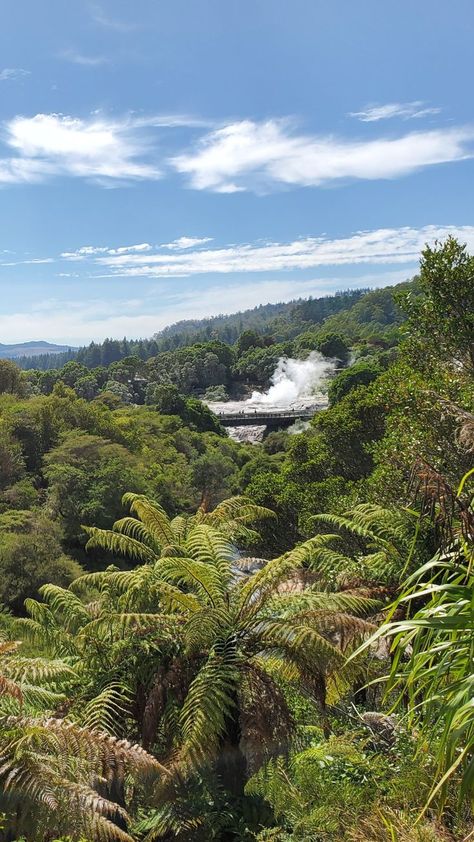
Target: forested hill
(283,321)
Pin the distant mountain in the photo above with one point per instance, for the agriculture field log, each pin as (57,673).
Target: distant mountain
(31,349)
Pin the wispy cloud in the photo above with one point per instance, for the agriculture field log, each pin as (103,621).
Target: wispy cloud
(404,110)
(379,247)
(91,251)
(183,243)
(99,16)
(10,74)
(262,156)
(33,260)
(76,57)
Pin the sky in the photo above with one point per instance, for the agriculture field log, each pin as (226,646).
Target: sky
(171,159)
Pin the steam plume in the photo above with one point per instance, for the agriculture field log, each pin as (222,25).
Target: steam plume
(294,382)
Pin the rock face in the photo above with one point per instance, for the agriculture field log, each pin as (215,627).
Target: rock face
(382,727)
(251,433)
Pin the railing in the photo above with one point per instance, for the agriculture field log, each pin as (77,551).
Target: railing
(260,416)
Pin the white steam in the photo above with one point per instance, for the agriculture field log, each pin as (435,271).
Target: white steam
(295,383)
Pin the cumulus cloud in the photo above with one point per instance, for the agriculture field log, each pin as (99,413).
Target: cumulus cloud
(186,243)
(381,246)
(55,144)
(10,74)
(260,156)
(405,110)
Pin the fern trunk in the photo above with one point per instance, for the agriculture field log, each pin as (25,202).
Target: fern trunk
(231,765)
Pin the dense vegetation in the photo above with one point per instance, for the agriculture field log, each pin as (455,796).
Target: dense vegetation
(203,639)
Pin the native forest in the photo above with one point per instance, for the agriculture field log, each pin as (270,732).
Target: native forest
(209,636)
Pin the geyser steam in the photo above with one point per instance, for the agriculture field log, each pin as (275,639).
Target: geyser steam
(294,382)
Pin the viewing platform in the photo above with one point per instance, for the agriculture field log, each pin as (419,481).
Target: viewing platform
(283,418)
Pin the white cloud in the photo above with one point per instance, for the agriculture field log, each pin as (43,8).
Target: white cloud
(10,74)
(381,246)
(240,156)
(259,156)
(83,252)
(140,247)
(186,243)
(85,61)
(405,110)
(54,144)
(77,323)
(90,251)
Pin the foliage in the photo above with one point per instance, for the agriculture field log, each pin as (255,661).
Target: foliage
(31,555)
(360,374)
(332,789)
(443,314)
(433,647)
(87,476)
(231,634)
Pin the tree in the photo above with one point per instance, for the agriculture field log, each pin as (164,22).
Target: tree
(120,390)
(87,476)
(248,339)
(12,465)
(225,636)
(87,387)
(72,372)
(31,555)
(333,345)
(166,398)
(10,377)
(442,314)
(361,373)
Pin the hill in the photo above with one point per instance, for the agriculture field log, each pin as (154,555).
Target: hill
(281,320)
(32,349)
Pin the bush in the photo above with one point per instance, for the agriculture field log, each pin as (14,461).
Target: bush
(31,556)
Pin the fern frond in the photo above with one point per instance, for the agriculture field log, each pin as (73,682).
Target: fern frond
(67,604)
(302,642)
(173,598)
(294,603)
(37,669)
(361,530)
(121,623)
(204,627)
(179,526)
(10,688)
(138,531)
(114,542)
(152,515)
(203,578)
(266,581)
(106,711)
(209,546)
(209,702)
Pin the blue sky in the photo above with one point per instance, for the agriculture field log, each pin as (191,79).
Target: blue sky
(165,159)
